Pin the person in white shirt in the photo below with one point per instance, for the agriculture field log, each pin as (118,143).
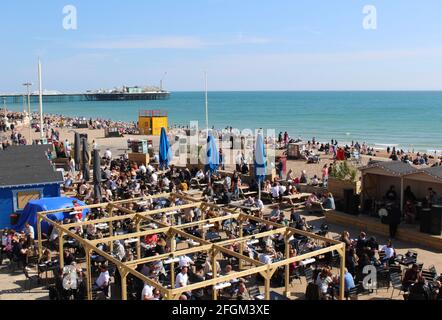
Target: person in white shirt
(103,279)
(265,258)
(185,261)
(143,169)
(150,168)
(199,175)
(147,293)
(282,189)
(275,190)
(119,250)
(154,178)
(29,231)
(108,154)
(182,279)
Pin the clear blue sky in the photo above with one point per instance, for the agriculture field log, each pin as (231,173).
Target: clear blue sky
(243,44)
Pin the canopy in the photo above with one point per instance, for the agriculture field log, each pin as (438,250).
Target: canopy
(212,162)
(260,159)
(165,152)
(29,214)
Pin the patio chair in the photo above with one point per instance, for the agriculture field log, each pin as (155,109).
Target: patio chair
(30,279)
(396,283)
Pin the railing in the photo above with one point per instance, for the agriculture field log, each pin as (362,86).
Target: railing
(153,113)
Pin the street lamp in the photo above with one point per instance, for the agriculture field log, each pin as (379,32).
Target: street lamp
(28,85)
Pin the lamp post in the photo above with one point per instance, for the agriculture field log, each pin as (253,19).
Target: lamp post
(28,85)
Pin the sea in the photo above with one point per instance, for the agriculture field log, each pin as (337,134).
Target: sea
(411,120)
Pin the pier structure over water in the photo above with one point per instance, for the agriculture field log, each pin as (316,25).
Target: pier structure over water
(75,97)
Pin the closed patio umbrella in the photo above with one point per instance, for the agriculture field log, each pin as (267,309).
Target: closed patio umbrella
(77,151)
(97,175)
(260,162)
(86,161)
(212,162)
(165,151)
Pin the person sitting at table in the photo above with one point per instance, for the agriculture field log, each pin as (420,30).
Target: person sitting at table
(197,277)
(68,257)
(290,176)
(410,277)
(151,240)
(281,219)
(391,195)
(324,281)
(266,257)
(295,218)
(185,261)
(274,215)
(312,200)
(208,193)
(409,212)
(103,280)
(420,290)
(208,266)
(390,252)
(147,293)
(303,178)
(314,181)
(119,251)
(329,202)
(275,190)
(249,202)
(242,293)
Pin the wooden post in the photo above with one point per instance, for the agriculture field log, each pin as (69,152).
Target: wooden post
(342,273)
(40,238)
(241,245)
(60,247)
(287,267)
(138,221)
(123,276)
(172,265)
(111,227)
(215,274)
(89,274)
(267,285)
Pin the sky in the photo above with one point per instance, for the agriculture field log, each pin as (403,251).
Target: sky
(242,44)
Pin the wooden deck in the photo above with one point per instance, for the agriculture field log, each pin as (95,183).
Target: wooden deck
(407,233)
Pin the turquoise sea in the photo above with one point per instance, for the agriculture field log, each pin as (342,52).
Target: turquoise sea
(407,119)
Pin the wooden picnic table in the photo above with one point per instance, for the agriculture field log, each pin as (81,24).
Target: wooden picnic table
(297,196)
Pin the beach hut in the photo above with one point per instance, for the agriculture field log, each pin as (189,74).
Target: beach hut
(26,174)
(377,177)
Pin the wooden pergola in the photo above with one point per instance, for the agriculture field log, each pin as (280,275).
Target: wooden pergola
(144,221)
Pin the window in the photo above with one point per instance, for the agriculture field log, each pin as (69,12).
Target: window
(23,197)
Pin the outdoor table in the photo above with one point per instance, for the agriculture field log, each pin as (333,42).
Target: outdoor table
(223,285)
(212,236)
(276,296)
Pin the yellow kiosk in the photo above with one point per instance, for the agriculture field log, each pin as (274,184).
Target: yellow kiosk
(150,122)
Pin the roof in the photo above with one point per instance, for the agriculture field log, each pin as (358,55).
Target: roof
(435,172)
(397,168)
(27,165)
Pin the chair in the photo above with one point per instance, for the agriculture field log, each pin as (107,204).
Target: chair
(352,294)
(395,269)
(295,276)
(255,293)
(396,283)
(29,278)
(308,273)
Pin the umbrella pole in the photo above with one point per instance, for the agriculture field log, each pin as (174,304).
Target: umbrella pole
(259,190)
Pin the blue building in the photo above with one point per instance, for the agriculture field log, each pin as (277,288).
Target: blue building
(26,174)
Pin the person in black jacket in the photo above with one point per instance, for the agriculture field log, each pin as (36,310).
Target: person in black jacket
(394,220)
(420,290)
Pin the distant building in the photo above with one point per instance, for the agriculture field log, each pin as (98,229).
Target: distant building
(26,174)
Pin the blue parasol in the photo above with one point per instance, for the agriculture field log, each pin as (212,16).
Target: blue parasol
(260,161)
(165,152)
(212,162)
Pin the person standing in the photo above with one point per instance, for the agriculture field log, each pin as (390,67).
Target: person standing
(394,220)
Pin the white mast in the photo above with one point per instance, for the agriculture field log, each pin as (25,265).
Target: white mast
(40,99)
(207,103)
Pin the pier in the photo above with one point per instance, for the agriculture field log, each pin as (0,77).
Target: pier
(75,97)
